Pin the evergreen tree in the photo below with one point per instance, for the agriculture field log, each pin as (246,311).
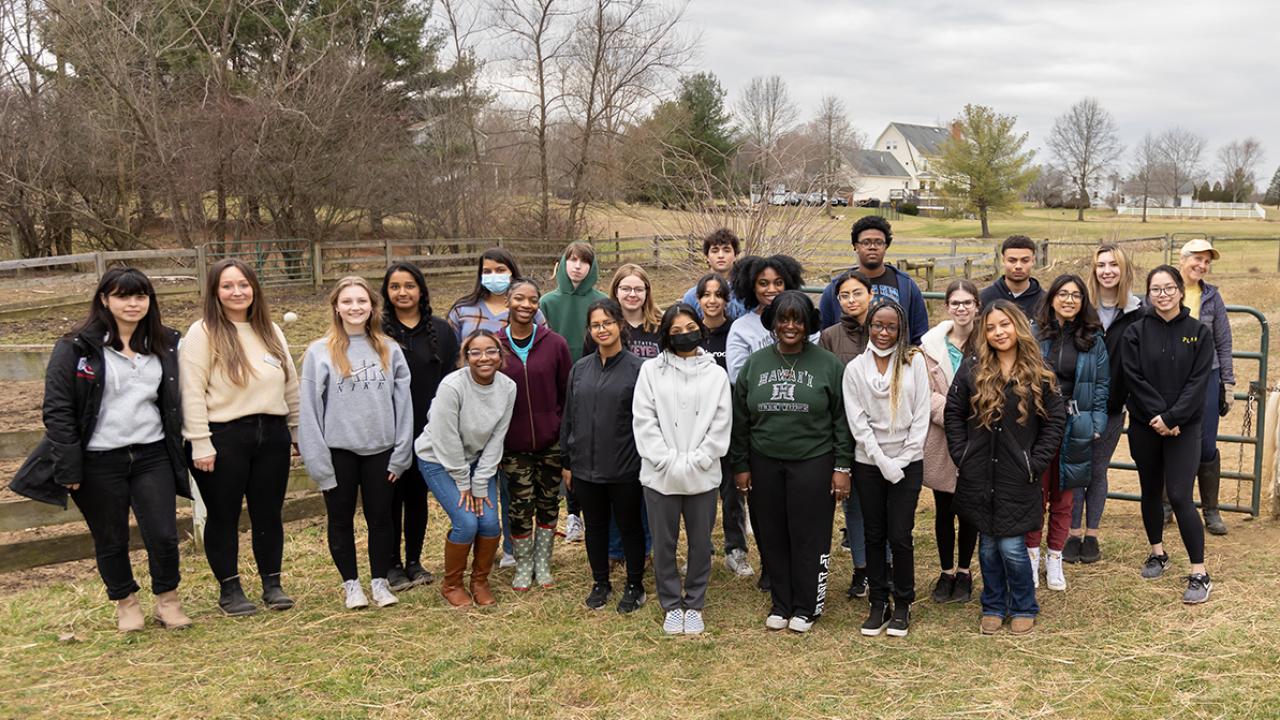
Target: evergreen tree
(1273,192)
(983,165)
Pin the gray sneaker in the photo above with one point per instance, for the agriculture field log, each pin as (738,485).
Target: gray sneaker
(736,561)
(1198,588)
(1155,565)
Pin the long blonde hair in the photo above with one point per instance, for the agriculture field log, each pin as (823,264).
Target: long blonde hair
(1030,376)
(1126,276)
(223,339)
(652,316)
(339,341)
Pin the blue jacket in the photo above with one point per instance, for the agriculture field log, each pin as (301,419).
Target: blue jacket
(909,297)
(1213,313)
(1089,421)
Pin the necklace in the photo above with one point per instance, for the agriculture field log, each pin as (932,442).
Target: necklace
(790,372)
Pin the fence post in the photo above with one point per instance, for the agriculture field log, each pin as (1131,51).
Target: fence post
(954,248)
(995,264)
(317,266)
(657,250)
(387,252)
(617,247)
(968,268)
(99,264)
(202,266)
(1278,258)
(928,273)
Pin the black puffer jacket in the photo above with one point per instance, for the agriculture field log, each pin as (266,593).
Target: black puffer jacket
(72,398)
(998,481)
(597,443)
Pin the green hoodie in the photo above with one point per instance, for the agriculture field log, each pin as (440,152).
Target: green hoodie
(565,308)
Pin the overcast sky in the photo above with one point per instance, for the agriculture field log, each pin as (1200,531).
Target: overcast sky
(1212,67)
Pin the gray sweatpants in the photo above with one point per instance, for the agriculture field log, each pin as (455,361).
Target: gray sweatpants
(699,513)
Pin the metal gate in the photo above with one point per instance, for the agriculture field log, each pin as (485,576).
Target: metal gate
(277,261)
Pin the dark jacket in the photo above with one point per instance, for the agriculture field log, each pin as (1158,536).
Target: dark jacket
(1213,313)
(1167,365)
(714,342)
(540,391)
(1119,392)
(1090,390)
(427,367)
(909,297)
(1028,302)
(999,468)
(72,397)
(846,339)
(597,442)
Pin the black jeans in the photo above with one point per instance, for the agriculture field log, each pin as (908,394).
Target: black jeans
(733,514)
(409,502)
(365,475)
(621,502)
(944,529)
(252,464)
(1169,464)
(138,477)
(793,508)
(889,515)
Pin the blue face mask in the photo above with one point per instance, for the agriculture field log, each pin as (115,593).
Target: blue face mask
(496,283)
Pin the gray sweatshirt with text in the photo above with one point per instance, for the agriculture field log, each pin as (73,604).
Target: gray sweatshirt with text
(468,424)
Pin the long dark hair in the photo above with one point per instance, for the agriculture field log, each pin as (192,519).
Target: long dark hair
(391,324)
(609,307)
(748,268)
(149,337)
(1085,327)
(669,319)
(478,293)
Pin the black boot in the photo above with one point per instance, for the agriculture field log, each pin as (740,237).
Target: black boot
(273,595)
(1210,479)
(232,599)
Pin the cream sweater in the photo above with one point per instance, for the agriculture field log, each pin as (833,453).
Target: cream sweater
(208,395)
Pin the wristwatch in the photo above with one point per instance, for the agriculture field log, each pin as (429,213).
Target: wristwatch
(844,470)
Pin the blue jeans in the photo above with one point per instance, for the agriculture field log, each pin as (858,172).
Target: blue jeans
(466,525)
(854,529)
(615,537)
(1006,577)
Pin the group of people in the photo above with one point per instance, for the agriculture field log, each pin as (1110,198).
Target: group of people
(743,395)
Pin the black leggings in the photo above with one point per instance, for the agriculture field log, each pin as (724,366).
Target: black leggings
(365,475)
(620,502)
(409,500)
(1169,464)
(944,529)
(252,464)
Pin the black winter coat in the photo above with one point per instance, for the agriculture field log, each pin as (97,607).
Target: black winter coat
(999,468)
(72,398)
(597,442)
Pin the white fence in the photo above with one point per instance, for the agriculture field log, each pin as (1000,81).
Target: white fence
(1199,210)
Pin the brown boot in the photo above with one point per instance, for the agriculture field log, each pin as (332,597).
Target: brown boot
(1022,625)
(129,616)
(481,566)
(455,565)
(169,611)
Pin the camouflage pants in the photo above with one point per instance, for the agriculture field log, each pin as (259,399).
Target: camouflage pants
(533,481)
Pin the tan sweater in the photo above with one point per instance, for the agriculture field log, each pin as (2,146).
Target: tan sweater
(208,395)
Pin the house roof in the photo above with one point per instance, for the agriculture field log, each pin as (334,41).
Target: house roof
(878,162)
(928,139)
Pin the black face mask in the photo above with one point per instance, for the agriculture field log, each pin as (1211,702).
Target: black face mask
(685,342)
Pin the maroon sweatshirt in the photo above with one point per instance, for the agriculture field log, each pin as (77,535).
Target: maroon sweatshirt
(540,388)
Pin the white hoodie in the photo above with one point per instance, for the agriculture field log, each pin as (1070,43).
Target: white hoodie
(681,417)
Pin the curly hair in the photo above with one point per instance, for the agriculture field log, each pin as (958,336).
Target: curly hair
(723,236)
(871,222)
(1030,377)
(748,268)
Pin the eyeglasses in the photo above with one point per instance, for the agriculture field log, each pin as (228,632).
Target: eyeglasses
(882,328)
(1164,290)
(848,297)
(492,352)
(603,325)
(1068,295)
(872,243)
(631,290)
(961,304)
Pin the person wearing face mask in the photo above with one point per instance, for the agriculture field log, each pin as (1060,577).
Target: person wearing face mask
(485,307)
(355,432)
(887,402)
(681,417)
(1071,341)
(871,237)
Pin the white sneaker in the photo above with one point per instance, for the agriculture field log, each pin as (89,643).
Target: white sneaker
(693,624)
(1053,571)
(775,622)
(736,561)
(674,622)
(381,592)
(1034,553)
(354,595)
(509,560)
(573,529)
(800,624)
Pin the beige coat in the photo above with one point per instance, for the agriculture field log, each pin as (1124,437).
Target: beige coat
(939,471)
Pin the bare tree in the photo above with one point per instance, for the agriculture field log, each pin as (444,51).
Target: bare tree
(1049,188)
(1239,160)
(1181,151)
(836,138)
(765,113)
(1085,143)
(1148,169)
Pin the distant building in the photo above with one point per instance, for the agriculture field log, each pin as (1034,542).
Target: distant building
(898,165)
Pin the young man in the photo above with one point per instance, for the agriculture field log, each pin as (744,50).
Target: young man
(871,237)
(1018,253)
(721,249)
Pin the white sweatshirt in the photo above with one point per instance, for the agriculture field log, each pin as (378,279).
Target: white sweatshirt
(681,416)
(889,443)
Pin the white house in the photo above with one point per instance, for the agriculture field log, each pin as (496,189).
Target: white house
(897,166)
(879,176)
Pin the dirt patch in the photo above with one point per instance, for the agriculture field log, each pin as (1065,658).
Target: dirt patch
(20,406)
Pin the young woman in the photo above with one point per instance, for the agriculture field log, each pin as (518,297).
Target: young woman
(458,455)
(681,416)
(757,281)
(355,431)
(1071,342)
(631,289)
(1168,362)
(887,401)
(431,351)
(538,362)
(713,298)
(945,346)
(791,450)
(847,340)
(598,456)
(240,414)
(1204,302)
(1109,291)
(485,307)
(1004,421)
(113,438)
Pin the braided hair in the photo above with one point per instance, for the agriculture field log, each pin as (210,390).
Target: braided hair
(392,324)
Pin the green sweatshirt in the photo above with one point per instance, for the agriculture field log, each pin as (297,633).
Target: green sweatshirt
(565,308)
(790,409)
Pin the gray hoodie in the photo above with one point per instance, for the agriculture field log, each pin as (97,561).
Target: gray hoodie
(367,412)
(468,424)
